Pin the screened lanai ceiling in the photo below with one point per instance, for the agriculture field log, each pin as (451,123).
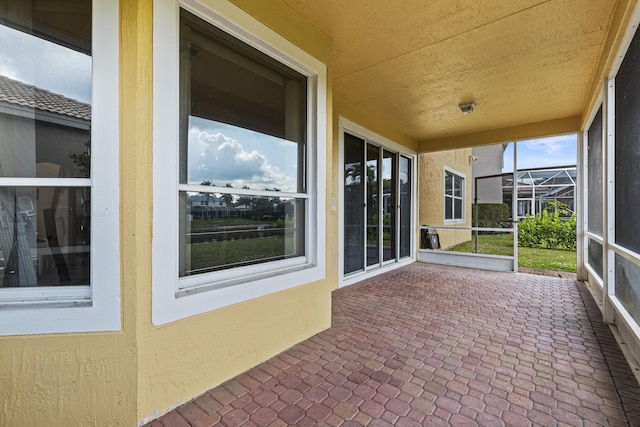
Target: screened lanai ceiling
(411,62)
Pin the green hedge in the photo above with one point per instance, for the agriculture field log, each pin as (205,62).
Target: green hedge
(548,231)
(492,215)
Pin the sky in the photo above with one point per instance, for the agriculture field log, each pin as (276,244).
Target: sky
(46,65)
(543,152)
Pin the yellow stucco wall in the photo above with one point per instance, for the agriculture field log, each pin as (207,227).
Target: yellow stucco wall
(91,379)
(379,125)
(182,359)
(68,380)
(431,192)
(122,378)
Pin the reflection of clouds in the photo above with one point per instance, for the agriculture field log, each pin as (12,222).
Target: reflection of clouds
(221,159)
(7,70)
(46,65)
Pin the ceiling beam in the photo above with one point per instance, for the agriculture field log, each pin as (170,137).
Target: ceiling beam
(496,136)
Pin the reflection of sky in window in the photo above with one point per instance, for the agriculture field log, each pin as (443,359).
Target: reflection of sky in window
(225,154)
(46,65)
(542,153)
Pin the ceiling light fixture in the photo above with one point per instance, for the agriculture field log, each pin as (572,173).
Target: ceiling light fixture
(467,107)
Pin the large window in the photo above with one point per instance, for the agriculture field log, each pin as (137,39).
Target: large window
(453,196)
(247,194)
(52,259)
(242,149)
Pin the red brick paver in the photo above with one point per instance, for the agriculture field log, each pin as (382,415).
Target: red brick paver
(439,346)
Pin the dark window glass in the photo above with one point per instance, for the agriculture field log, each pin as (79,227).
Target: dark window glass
(354,225)
(594,171)
(627,286)
(595,257)
(243,125)
(45,122)
(243,115)
(405,206)
(373,203)
(627,150)
(389,192)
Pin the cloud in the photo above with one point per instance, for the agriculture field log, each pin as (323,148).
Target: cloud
(6,69)
(44,64)
(553,151)
(221,159)
(551,145)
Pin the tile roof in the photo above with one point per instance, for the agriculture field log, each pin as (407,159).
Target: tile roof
(16,92)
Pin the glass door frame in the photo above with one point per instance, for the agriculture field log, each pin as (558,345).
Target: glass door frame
(396,152)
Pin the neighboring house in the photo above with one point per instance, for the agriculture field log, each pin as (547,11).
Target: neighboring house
(112,312)
(488,161)
(44,136)
(542,189)
(446,183)
(538,188)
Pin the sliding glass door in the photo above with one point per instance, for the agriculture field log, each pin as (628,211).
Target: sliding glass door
(373,205)
(389,205)
(404,201)
(377,205)
(354,236)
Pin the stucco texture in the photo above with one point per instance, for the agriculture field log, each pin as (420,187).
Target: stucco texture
(180,360)
(431,192)
(139,372)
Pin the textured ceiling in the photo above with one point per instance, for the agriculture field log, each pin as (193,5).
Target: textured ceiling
(414,61)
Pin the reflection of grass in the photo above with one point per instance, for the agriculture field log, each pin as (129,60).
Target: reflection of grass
(220,222)
(214,254)
(502,244)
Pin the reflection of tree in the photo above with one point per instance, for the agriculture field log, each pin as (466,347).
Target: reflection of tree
(83,160)
(371,174)
(208,195)
(227,198)
(352,174)
(372,194)
(244,201)
(265,207)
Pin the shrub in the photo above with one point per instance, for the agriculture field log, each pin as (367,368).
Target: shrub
(548,231)
(492,215)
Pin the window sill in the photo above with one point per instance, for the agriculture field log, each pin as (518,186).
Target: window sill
(171,305)
(221,284)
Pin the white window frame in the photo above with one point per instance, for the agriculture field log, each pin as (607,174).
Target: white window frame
(448,170)
(47,310)
(175,298)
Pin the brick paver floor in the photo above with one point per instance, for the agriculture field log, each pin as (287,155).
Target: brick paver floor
(429,345)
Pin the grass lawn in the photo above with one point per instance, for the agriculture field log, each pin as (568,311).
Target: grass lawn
(502,244)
